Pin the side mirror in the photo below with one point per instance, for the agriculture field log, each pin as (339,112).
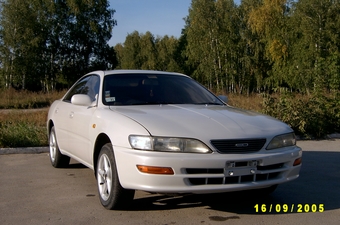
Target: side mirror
(223,98)
(81,99)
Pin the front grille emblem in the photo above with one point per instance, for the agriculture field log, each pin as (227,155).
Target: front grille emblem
(240,145)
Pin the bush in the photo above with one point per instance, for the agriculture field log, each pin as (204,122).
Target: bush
(314,116)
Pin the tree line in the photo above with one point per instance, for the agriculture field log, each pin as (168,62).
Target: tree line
(256,46)
(45,44)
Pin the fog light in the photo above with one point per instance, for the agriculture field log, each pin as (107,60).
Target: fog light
(155,170)
(297,162)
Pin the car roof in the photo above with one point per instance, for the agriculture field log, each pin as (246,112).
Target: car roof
(112,72)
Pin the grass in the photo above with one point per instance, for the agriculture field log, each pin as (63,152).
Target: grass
(24,128)
(12,99)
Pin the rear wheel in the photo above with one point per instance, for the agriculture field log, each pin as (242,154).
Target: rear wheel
(57,159)
(112,195)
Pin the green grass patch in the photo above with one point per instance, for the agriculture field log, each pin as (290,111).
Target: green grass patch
(21,128)
(22,134)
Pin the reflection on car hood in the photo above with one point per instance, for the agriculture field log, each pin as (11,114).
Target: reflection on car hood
(203,122)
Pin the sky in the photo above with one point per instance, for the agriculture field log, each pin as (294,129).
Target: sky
(160,17)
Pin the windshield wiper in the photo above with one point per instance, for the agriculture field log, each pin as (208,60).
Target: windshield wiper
(208,103)
(149,103)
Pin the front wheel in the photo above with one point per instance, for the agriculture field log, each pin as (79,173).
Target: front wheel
(57,159)
(112,195)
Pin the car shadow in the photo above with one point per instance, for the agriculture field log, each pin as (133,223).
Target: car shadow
(76,166)
(318,185)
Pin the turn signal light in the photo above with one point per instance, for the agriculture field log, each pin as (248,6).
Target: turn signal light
(297,162)
(155,170)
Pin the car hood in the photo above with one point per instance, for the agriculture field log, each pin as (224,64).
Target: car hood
(203,121)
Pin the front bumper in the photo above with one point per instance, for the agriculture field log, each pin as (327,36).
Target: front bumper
(207,173)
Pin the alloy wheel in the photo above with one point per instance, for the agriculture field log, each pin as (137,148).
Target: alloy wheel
(104,177)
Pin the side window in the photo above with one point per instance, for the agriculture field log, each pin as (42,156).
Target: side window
(93,87)
(78,88)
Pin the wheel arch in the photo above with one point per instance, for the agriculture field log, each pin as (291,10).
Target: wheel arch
(50,124)
(101,140)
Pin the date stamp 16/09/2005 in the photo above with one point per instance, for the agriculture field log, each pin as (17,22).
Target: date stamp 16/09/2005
(289,208)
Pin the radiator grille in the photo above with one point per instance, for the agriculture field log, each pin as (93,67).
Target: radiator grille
(238,145)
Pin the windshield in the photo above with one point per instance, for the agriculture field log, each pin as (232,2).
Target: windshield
(142,89)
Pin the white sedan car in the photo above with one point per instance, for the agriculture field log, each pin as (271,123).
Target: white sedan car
(163,132)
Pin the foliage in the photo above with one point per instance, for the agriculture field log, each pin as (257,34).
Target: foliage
(254,47)
(311,116)
(286,47)
(215,45)
(257,46)
(42,41)
(144,51)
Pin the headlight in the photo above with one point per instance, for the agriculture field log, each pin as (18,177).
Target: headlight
(167,144)
(282,141)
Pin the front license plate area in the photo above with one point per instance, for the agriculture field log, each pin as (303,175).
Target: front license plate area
(240,168)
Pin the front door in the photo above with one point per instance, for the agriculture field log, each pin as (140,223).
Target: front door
(80,117)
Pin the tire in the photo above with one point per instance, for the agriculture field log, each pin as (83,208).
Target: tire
(57,159)
(111,194)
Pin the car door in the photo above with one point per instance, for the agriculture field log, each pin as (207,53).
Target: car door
(63,116)
(80,122)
